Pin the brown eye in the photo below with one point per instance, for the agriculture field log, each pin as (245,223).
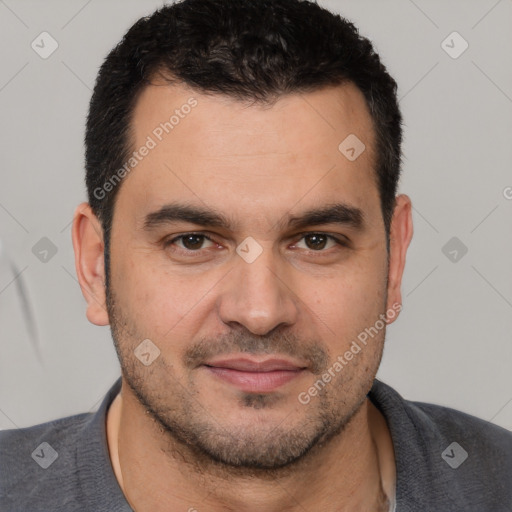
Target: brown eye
(189,242)
(192,242)
(318,242)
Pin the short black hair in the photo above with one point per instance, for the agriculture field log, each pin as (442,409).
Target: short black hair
(245,49)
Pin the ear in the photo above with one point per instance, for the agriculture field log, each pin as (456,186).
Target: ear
(401,231)
(89,249)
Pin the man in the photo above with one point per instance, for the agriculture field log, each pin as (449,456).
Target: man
(244,240)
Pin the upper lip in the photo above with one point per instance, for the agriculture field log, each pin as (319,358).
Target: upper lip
(252,365)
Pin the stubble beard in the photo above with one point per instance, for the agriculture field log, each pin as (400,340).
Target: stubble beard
(192,433)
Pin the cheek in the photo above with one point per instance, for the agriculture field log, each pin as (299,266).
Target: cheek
(349,301)
(142,294)
(162,305)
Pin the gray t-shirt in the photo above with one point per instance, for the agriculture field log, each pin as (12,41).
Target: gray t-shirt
(446,461)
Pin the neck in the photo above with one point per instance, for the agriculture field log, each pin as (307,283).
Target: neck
(157,473)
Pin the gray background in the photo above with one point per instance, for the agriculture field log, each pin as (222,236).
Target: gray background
(452,342)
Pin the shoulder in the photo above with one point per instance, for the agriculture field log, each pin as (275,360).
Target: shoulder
(446,459)
(15,442)
(62,465)
(39,459)
(475,455)
(435,422)
(481,439)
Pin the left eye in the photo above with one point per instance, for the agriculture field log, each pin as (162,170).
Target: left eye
(319,241)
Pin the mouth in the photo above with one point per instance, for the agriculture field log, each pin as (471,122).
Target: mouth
(255,376)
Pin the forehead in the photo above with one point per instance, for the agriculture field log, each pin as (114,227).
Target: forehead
(324,115)
(215,150)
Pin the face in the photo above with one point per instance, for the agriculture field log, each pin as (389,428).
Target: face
(251,252)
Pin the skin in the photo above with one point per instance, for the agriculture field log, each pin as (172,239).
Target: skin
(181,438)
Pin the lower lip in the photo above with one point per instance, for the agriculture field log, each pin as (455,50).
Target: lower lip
(255,382)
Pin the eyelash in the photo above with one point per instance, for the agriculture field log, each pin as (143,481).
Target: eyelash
(171,241)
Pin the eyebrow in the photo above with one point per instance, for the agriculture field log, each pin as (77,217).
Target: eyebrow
(337,213)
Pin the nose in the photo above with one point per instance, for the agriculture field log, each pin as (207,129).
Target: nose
(259,295)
